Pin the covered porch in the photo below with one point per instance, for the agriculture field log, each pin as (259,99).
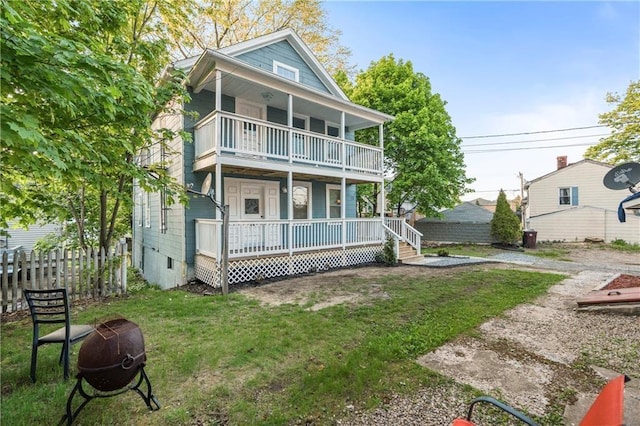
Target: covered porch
(267,249)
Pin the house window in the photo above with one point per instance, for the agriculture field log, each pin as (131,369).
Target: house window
(147,209)
(300,143)
(333,130)
(139,207)
(301,200)
(251,206)
(286,71)
(334,201)
(169,263)
(568,196)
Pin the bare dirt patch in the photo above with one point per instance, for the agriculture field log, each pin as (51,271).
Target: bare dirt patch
(348,286)
(588,253)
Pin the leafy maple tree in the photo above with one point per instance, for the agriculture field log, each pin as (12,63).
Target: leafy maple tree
(423,156)
(623,144)
(79,92)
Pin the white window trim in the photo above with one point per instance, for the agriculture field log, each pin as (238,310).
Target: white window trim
(304,144)
(140,207)
(328,124)
(570,203)
(147,210)
(309,196)
(294,70)
(328,202)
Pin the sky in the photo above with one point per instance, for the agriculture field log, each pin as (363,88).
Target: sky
(506,67)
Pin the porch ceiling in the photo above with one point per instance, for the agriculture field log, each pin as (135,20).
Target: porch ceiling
(264,95)
(277,174)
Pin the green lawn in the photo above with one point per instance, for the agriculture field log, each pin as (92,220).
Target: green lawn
(216,360)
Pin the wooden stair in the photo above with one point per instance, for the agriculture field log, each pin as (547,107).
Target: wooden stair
(407,252)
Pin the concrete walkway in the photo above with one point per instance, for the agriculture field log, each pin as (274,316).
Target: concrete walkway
(532,352)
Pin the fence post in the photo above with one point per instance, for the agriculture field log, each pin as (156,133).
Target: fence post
(124,262)
(5,280)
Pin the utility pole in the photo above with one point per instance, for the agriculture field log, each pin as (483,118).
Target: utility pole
(521,176)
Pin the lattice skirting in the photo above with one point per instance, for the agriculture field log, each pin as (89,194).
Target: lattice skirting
(259,268)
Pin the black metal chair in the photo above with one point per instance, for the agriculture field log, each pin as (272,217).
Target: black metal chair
(52,307)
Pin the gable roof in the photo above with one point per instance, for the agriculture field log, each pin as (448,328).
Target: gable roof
(568,166)
(465,212)
(298,45)
(287,35)
(200,72)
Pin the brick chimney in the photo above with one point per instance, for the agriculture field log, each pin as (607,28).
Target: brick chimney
(562,161)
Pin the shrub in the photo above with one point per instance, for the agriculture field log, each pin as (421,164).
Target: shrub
(505,225)
(388,253)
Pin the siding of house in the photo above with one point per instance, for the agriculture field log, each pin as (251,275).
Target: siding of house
(154,248)
(27,238)
(592,213)
(574,225)
(284,53)
(586,176)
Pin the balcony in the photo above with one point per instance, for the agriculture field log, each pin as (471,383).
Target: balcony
(222,135)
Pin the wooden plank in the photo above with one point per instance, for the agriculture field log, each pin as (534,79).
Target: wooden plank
(622,295)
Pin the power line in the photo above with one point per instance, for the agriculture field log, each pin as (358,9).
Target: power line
(538,140)
(482,151)
(532,133)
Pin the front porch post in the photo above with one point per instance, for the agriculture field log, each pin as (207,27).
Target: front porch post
(290,125)
(341,136)
(290,211)
(383,201)
(343,211)
(218,188)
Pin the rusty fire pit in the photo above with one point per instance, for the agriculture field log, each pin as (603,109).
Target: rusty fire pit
(110,357)
(109,360)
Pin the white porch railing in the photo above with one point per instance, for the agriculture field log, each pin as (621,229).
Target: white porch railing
(269,141)
(405,231)
(284,236)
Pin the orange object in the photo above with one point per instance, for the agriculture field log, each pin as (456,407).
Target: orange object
(608,408)
(462,422)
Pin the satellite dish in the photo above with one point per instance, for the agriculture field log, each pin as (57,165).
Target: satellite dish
(206,185)
(624,176)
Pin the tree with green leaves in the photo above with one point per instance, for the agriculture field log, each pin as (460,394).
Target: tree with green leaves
(215,24)
(505,224)
(422,152)
(80,87)
(623,145)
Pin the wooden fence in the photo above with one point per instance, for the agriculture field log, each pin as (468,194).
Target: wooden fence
(86,274)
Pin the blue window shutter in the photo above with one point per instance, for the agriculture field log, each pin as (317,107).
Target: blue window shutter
(574,195)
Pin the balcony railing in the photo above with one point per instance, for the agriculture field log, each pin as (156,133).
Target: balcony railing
(284,236)
(242,136)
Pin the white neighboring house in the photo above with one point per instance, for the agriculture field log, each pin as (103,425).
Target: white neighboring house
(26,238)
(571,204)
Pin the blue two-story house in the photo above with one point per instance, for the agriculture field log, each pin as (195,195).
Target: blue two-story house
(275,134)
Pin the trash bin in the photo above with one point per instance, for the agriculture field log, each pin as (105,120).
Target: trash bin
(529,238)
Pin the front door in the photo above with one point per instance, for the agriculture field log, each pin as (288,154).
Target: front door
(252,209)
(252,203)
